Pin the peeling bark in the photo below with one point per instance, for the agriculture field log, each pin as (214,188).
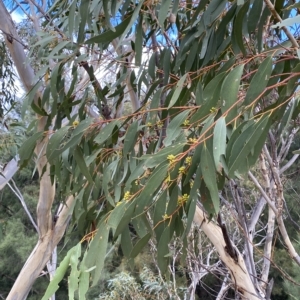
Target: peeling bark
(238,271)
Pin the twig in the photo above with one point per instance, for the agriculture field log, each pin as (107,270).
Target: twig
(278,18)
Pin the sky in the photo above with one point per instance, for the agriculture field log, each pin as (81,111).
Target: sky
(17,17)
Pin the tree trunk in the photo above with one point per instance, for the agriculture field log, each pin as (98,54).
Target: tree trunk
(237,268)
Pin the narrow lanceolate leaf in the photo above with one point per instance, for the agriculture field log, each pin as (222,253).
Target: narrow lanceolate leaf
(106,132)
(83,10)
(245,143)
(238,27)
(84,280)
(163,12)
(78,155)
(131,21)
(56,142)
(163,250)
(219,141)
(140,245)
(174,128)
(155,181)
(109,35)
(259,81)
(229,92)
(27,148)
(123,211)
(130,137)
(254,15)
(71,18)
(76,136)
(138,48)
(96,252)
(74,274)
(209,175)
(179,87)
(59,274)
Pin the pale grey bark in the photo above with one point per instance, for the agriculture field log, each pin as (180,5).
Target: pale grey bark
(41,254)
(237,269)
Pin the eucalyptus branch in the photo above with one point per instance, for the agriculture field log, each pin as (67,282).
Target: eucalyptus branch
(278,18)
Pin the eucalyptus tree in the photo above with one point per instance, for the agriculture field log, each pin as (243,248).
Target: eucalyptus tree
(205,81)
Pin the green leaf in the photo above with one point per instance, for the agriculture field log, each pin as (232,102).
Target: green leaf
(84,280)
(126,242)
(174,128)
(153,184)
(106,132)
(152,160)
(254,15)
(259,81)
(229,92)
(96,252)
(59,274)
(163,12)
(238,27)
(138,47)
(159,212)
(285,121)
(163,250)
(209,175)
(57,48)
(71,18)
(131,21)
(244,144)
(122,212)
(219,141)
(140,245)
(83,11)
(109,35)
(179,87)
(27,148)
(74,274)
(78,155)
(210,98)
(130,137)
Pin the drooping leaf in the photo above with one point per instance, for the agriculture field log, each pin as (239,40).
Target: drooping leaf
(130,137)
(219,141)
(173,129)
(163,12)
(96,252)
(78,155)
(244,144)
(140,245)
(163,250)
(59,274)
(74,274)
(229,92)
(179,87)
(209,175)
(26,150)
(259,81)
(109,35)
